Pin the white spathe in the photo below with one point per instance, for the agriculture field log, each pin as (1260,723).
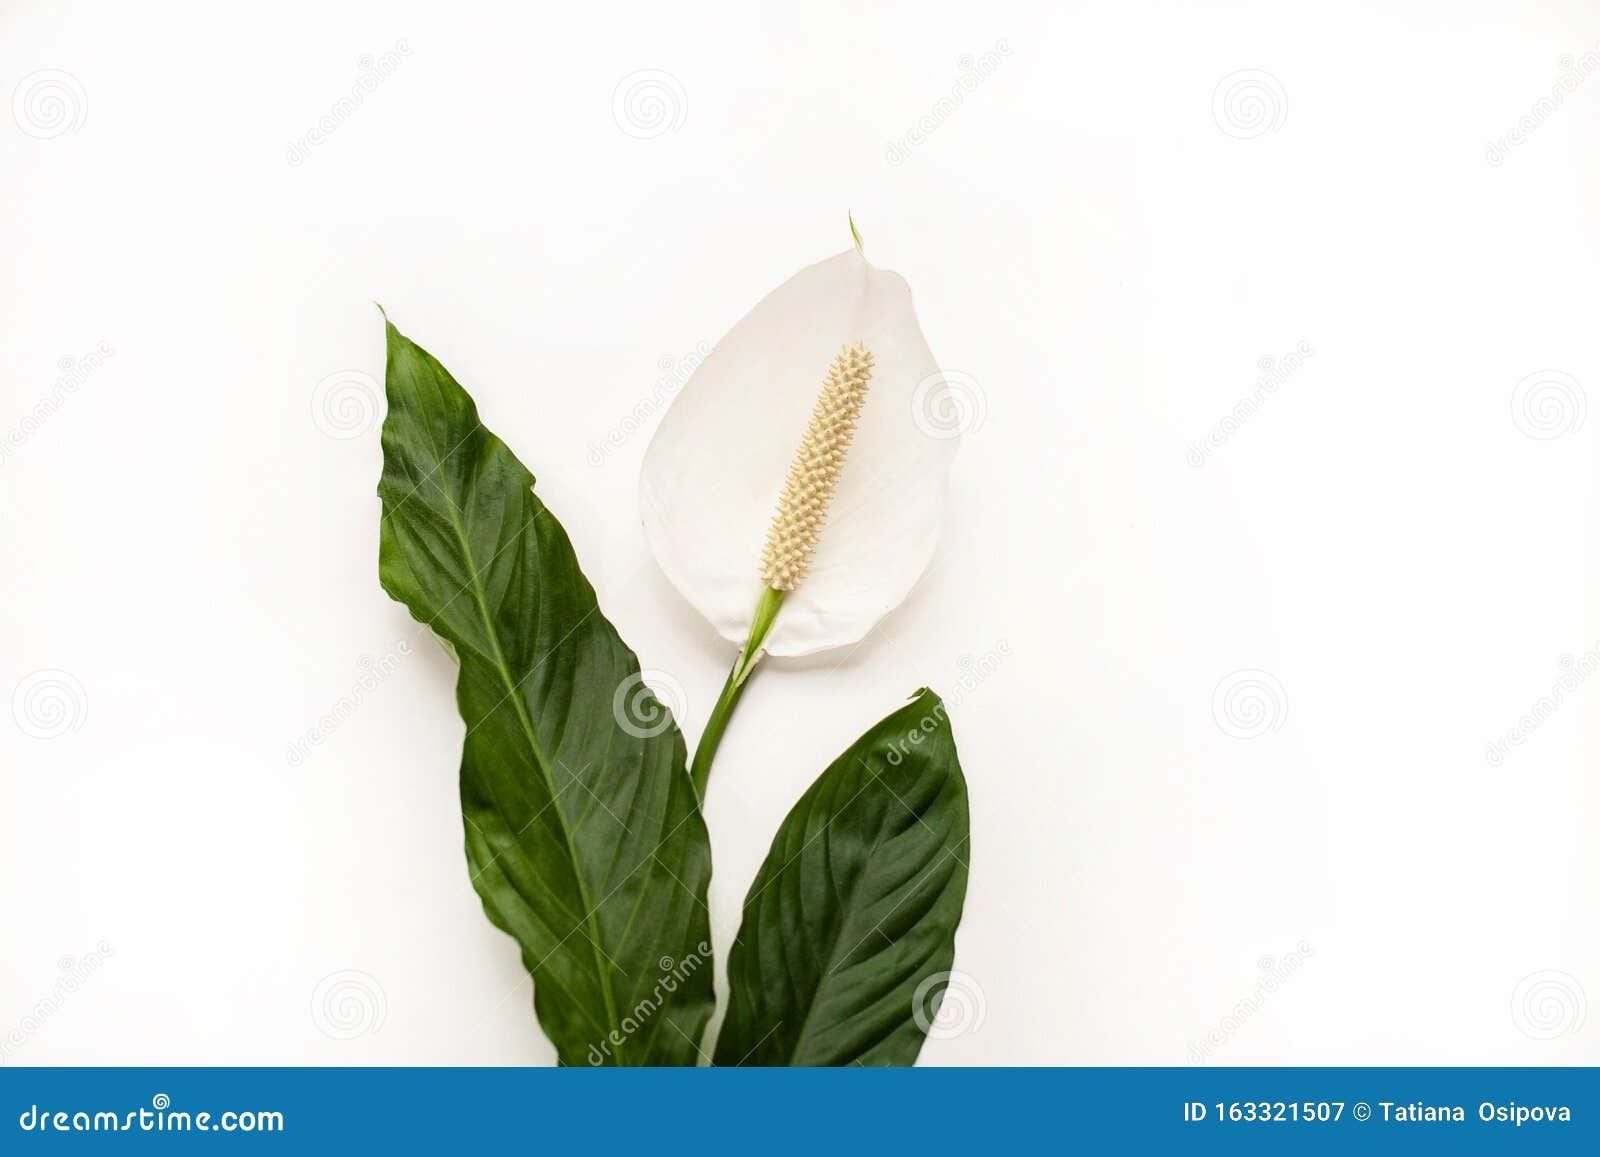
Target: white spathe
(716,465)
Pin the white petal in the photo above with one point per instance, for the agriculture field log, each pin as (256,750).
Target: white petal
(714,469)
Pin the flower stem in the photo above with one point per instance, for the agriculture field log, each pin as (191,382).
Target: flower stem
(711,739)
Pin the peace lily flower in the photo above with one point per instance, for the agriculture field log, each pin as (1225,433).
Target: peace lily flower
(833,534)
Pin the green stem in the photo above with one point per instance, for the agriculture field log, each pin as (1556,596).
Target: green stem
(733,689)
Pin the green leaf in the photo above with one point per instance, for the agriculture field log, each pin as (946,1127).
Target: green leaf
(851,921)
(584,838)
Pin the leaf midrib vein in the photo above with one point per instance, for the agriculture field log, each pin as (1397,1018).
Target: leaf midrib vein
(845,909)
(498,661)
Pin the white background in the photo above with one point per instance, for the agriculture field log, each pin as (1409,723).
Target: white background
(1109,234)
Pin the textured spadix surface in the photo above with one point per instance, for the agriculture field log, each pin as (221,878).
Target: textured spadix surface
(717,465)
(814,474)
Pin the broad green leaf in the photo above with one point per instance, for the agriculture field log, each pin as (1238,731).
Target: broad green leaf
(584,838)
(851,921)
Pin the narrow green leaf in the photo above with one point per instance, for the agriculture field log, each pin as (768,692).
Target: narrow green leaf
(852,918)
(583,835)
